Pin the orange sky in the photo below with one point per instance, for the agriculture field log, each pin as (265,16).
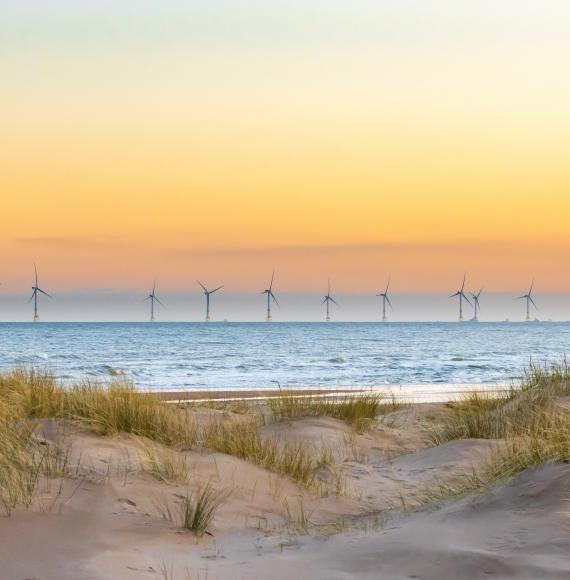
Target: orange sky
(346,150)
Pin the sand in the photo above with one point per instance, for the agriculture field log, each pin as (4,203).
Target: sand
(106,523)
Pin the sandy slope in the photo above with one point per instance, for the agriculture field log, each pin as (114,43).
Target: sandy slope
(106,524)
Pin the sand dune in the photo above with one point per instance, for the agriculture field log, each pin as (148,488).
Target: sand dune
(105,522)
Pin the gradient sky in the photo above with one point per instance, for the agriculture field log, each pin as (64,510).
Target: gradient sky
(217,140)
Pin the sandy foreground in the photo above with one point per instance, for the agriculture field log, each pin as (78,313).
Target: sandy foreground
(105,522)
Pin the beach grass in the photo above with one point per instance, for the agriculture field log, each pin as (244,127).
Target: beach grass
(112,408)
(242,439)
(529,428)
(25,460)
(164,463)
(521,411)
(195,511)
(356,410)
(120,408)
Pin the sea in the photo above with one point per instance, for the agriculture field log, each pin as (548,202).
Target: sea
(184,356)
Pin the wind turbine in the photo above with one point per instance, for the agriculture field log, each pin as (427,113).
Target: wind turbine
(476,304)
(385,299)
(327,300)
(153,297)
(529,300)
(270,295)
(462,297)
(207,294)
(35,289)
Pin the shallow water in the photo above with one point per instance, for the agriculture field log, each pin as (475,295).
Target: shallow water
(222,355)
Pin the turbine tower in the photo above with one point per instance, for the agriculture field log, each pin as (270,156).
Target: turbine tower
(35,289)
(270,295)
(385,299)
(153,298)
(529,301)
(462,297)
(476,304)
(207,293)
(327,300)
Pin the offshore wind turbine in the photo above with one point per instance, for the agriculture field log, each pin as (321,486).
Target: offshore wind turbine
(35,289)
(476,304)
(207,293)
(153,298)
(385,299)
(529,301)
(270,296)
(328,299)
(461,294)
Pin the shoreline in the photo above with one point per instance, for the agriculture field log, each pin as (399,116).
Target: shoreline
(426,393)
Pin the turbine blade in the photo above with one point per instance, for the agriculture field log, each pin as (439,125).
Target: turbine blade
(388,300)
(203,287)
(334,302)
(463,285)
(468,302)
(275,299)
(45,293)
(272,278)
(36,271)
(387,286)
(159,302)
(324,299)
(454,295)
(530,298)
(216,289)
(32,296)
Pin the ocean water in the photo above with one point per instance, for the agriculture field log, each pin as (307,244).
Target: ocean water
(221,355)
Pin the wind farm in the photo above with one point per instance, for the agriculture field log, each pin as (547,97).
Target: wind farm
(463,302)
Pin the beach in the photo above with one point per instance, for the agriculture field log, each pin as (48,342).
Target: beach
(305,484)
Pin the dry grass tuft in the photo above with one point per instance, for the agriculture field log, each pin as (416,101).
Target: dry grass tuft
(532,429)
(164,463)
(242,439)
(356,410)
(195,511)
(520,412)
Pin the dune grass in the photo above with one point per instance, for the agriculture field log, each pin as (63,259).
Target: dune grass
(109,409)
(165,464)
(356,410)
(24,461)
(120,408)
(531,429)
(521,411)
(195,511)
(242,439)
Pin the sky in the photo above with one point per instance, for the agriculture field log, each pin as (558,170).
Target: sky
(182,140)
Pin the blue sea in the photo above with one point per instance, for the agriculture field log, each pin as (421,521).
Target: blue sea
(222,355)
